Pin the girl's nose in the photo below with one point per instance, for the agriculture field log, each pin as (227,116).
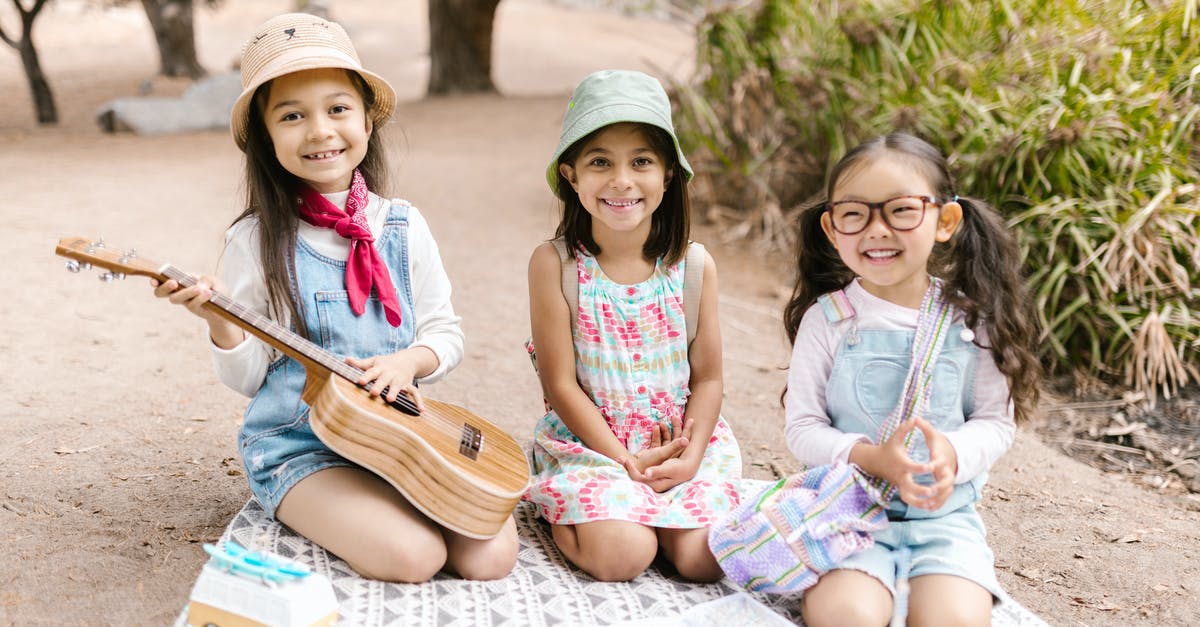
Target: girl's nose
(318,128)
(621,178)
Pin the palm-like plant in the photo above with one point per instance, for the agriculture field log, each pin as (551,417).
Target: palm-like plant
(1078,119)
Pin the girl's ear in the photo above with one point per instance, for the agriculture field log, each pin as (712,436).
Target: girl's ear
(949,218)
(669,177)
(827,226)
(568,173)
(370,123)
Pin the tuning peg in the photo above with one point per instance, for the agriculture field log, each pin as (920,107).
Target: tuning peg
(105,277)
(72,266)
(118,275)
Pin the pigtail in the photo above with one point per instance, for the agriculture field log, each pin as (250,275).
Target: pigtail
(981,265)
(819,269)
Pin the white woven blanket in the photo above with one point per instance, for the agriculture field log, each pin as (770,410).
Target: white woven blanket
(543,589)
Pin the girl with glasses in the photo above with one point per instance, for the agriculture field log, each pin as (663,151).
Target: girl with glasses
(889,226)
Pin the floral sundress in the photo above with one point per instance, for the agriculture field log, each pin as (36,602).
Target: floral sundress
(631,357)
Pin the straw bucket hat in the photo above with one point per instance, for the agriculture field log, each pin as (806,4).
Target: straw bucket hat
(300,41)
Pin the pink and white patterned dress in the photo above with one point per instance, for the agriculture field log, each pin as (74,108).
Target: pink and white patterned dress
(631,357)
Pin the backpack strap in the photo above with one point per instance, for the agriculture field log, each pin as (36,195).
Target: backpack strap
(836,306)
(693,283)
(570,279)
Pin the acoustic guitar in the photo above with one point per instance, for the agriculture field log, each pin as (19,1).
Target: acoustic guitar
(457,468)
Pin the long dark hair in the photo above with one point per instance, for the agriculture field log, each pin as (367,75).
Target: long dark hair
(981,265)
(272,194)
(670,226)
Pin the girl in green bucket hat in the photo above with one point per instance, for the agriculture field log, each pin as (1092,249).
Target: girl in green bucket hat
(633,451)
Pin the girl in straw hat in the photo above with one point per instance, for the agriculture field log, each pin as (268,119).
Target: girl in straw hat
(319,251)
(633,452)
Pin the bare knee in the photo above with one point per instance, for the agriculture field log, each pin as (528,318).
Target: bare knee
(609,550)
(688,551)
(948,600)
(950,615)
(401,560)
(699,568)
(623,565)
(843,597)
(484,560)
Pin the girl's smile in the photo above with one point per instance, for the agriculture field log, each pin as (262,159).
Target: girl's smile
(324,156)
(622,205)
(880,256)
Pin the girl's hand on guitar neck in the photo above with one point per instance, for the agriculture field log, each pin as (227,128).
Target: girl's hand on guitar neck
(396,372)
(224,334)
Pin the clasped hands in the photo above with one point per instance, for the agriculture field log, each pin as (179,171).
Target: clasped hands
(662,465)
(891,461)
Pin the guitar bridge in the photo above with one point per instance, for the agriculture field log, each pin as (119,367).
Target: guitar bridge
(471,442)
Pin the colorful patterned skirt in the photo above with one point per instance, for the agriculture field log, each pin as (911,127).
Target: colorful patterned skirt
(573,484)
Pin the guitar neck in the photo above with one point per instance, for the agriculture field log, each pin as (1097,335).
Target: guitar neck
(85,252)
(309,354)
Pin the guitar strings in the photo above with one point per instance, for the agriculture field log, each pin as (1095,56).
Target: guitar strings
(308,349)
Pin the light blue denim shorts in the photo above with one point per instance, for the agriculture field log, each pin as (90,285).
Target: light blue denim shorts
(279,458)
(953,544)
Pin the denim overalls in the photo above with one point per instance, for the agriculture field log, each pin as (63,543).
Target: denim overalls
(277,443)
(864,387)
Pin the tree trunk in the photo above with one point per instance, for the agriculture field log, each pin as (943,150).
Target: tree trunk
(39,87)
(460,46)
(43,98)
(174,32)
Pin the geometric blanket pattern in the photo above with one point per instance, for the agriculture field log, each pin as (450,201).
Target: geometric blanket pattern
(542,589)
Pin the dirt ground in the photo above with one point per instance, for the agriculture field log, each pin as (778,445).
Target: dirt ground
(118,444)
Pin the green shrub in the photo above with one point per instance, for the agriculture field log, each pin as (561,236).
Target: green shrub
(1079,120)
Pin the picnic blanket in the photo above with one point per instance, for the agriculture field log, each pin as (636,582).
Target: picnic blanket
(542,589)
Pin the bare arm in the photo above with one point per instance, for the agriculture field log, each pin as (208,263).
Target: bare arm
(551,325)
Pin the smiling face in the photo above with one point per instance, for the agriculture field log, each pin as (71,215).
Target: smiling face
(319,126)
(891,264)
(620,180)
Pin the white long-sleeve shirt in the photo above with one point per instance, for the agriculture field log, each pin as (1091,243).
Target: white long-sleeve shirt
(244,367)
(985,436)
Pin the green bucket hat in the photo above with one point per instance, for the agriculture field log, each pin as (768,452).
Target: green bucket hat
(612,96)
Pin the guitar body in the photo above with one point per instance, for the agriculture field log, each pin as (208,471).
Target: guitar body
(470,488)
(459,469)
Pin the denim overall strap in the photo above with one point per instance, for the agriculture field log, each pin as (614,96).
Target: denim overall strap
(276,440)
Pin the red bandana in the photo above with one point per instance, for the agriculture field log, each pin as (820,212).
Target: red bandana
(364,268)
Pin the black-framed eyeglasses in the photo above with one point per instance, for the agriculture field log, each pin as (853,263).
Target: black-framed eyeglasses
(902,213)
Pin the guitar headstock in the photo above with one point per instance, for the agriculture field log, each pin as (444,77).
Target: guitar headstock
(85,253)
